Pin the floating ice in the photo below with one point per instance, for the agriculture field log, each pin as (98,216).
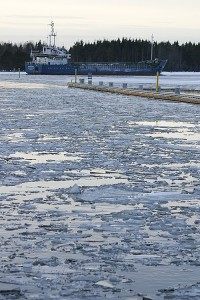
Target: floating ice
(10,291)
(105,283)
(75,189)
(27,267)
(103,203)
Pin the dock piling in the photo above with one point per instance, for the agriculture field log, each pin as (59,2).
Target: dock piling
(177,91)
(157,80)
(75,76)
(124,85)
(89,78)
(81,80)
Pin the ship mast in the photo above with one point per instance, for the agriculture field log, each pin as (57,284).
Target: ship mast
(152,42)
(52,35)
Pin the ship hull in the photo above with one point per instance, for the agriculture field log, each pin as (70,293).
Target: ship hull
(95,69)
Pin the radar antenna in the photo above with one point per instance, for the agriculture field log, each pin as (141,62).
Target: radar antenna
(52,34)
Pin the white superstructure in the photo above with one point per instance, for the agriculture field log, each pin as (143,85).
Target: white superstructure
(51,54)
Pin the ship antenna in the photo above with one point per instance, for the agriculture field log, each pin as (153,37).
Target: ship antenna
(52,34)
(152,42)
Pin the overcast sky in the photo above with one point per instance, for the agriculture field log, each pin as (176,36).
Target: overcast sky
(90,20)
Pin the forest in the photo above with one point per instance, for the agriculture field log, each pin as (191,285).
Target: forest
(184,57)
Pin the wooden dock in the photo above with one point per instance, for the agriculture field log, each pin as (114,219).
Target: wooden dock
(161,95)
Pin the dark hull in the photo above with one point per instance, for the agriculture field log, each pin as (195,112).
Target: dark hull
(140,69)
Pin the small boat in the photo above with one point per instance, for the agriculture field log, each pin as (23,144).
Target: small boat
(56,61)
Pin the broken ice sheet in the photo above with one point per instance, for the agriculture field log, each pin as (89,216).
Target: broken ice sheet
(137,232)
(108,194)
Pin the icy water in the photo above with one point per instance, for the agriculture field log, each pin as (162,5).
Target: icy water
(99,194)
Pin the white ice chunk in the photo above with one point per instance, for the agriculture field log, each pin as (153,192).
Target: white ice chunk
(105,283)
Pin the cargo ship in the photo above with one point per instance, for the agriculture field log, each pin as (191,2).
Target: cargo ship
(57,61)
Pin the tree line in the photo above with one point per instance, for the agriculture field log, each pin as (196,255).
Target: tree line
(184,57)
(13,56)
